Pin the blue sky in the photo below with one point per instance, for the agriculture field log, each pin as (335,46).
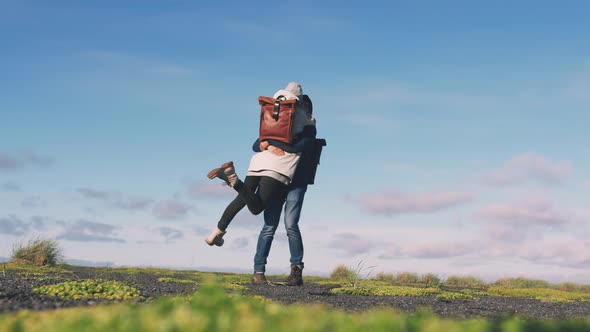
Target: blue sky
(456,132)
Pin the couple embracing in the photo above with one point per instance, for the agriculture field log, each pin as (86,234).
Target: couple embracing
(278,175)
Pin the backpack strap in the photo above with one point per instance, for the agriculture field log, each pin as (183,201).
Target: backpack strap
(275,114)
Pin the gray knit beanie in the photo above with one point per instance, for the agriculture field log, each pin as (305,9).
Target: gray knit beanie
(295,88)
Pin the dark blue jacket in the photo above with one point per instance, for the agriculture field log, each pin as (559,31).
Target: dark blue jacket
(304,142)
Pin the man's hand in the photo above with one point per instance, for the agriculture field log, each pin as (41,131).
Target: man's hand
(264,145)
(276,151)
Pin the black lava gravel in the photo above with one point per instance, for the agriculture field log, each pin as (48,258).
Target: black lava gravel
(16,294)
(485,306)
(16,290)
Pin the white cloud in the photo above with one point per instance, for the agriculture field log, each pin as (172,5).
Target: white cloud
(139,64)
(171,234)
(350,244)
(22,159)
(171,210)
(115,199)
(88,231)
(388,95)
(528,167)
(445,249)
(371,120)
(10,186)
(539,212)
(578,86)
(12,225)
(211,191)
(390,203)
(33,202)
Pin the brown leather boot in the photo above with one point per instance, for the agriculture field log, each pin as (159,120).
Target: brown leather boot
(226,172)
(296,276)
(258,278)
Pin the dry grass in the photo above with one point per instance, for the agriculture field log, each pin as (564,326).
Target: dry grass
(38,252)
(341,273)
(465,281)
(471,282)
(408,278)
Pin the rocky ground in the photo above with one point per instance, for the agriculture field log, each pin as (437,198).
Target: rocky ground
(16,294)
(16,288)
(485,306)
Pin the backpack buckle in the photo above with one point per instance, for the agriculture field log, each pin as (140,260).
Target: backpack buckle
(275,114)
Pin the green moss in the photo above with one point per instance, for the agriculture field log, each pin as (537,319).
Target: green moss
(211,309)
(235,288)
(543,294)
(97,289)
(176,280)
(474,293)
(58,269)
(36,276)
(454,296)
(535,283)
(227,278)
(136,270)
(387,290)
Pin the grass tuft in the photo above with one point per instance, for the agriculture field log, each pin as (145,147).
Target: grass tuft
(38,252)
(465,281)
(407,278)
(428,279)
(521,283)
(353,276)
(340,273)
(382,276)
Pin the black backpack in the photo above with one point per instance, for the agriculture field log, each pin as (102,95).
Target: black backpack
(314,159)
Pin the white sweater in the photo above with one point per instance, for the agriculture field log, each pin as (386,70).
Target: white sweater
(281,168)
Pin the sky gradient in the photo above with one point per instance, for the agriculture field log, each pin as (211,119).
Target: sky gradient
(457,132)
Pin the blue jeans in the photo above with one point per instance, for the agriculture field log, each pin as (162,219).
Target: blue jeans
(272,216)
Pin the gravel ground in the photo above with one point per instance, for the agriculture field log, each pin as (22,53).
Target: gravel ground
(486,306)
(16,291)
(16,294)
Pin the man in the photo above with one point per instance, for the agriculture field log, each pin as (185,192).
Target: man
(293,203)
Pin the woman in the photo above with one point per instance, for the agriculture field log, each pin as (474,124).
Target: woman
(269,174)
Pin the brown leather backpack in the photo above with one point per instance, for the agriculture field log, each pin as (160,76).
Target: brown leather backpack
(276,118)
